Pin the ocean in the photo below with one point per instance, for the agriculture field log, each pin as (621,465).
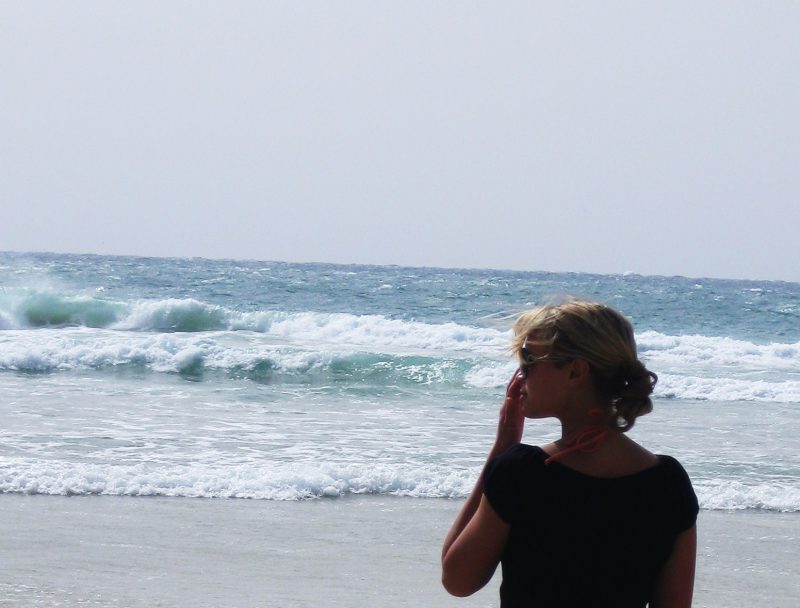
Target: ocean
(193,379)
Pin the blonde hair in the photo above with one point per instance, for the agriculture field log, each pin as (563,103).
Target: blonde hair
(598,334)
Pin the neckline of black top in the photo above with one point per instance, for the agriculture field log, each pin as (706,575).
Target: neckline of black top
(560,465)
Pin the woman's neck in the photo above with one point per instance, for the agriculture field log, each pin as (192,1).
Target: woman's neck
(589,416)
(585,432)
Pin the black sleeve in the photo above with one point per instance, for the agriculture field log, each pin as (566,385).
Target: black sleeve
(685,502)
(501,481)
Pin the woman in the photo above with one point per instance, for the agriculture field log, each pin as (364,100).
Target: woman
(593,519)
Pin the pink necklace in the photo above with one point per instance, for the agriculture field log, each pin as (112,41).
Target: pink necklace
(587,440)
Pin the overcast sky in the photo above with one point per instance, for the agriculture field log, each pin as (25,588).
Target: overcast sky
(658,138)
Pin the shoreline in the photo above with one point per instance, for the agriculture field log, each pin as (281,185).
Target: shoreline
(353,551)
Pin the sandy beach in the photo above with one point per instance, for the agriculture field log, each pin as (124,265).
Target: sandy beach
(354,551)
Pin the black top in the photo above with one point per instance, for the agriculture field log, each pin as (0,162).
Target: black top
(577,540)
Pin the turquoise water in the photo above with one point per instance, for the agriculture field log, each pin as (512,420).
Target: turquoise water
(177,377)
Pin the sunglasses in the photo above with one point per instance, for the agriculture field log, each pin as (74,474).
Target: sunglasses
(529,359)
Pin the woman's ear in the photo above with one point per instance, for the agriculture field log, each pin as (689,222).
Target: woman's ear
(579,370)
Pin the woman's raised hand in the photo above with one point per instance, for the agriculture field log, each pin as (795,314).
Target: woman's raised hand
(512,417)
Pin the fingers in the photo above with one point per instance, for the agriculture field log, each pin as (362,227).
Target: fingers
(512,417)
(510,426)
(512,390)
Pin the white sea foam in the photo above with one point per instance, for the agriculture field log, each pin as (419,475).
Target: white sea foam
(302,481)
(683,351)
(492,375)
(189,315)
(376,331)
(174,315)
(45,309)
(358,345)
(722,494)
(49,350)
(289,482)
(671,386)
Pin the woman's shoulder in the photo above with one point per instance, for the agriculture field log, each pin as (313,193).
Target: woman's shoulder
(671,467)
(518,457)
(522,452)
(669,462)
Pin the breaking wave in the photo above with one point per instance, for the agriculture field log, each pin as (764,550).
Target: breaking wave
(45,332)
(301,481)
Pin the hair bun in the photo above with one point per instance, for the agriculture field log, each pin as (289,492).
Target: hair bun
(634,396)
(637,376)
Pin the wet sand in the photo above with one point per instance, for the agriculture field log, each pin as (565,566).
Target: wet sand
(354,551)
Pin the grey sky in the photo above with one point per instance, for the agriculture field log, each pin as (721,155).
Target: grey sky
(659,138)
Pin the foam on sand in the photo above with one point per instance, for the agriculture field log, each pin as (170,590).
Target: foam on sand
(303,480)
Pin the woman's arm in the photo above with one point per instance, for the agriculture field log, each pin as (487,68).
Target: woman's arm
(475,542)
(675,583)
(471,559)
